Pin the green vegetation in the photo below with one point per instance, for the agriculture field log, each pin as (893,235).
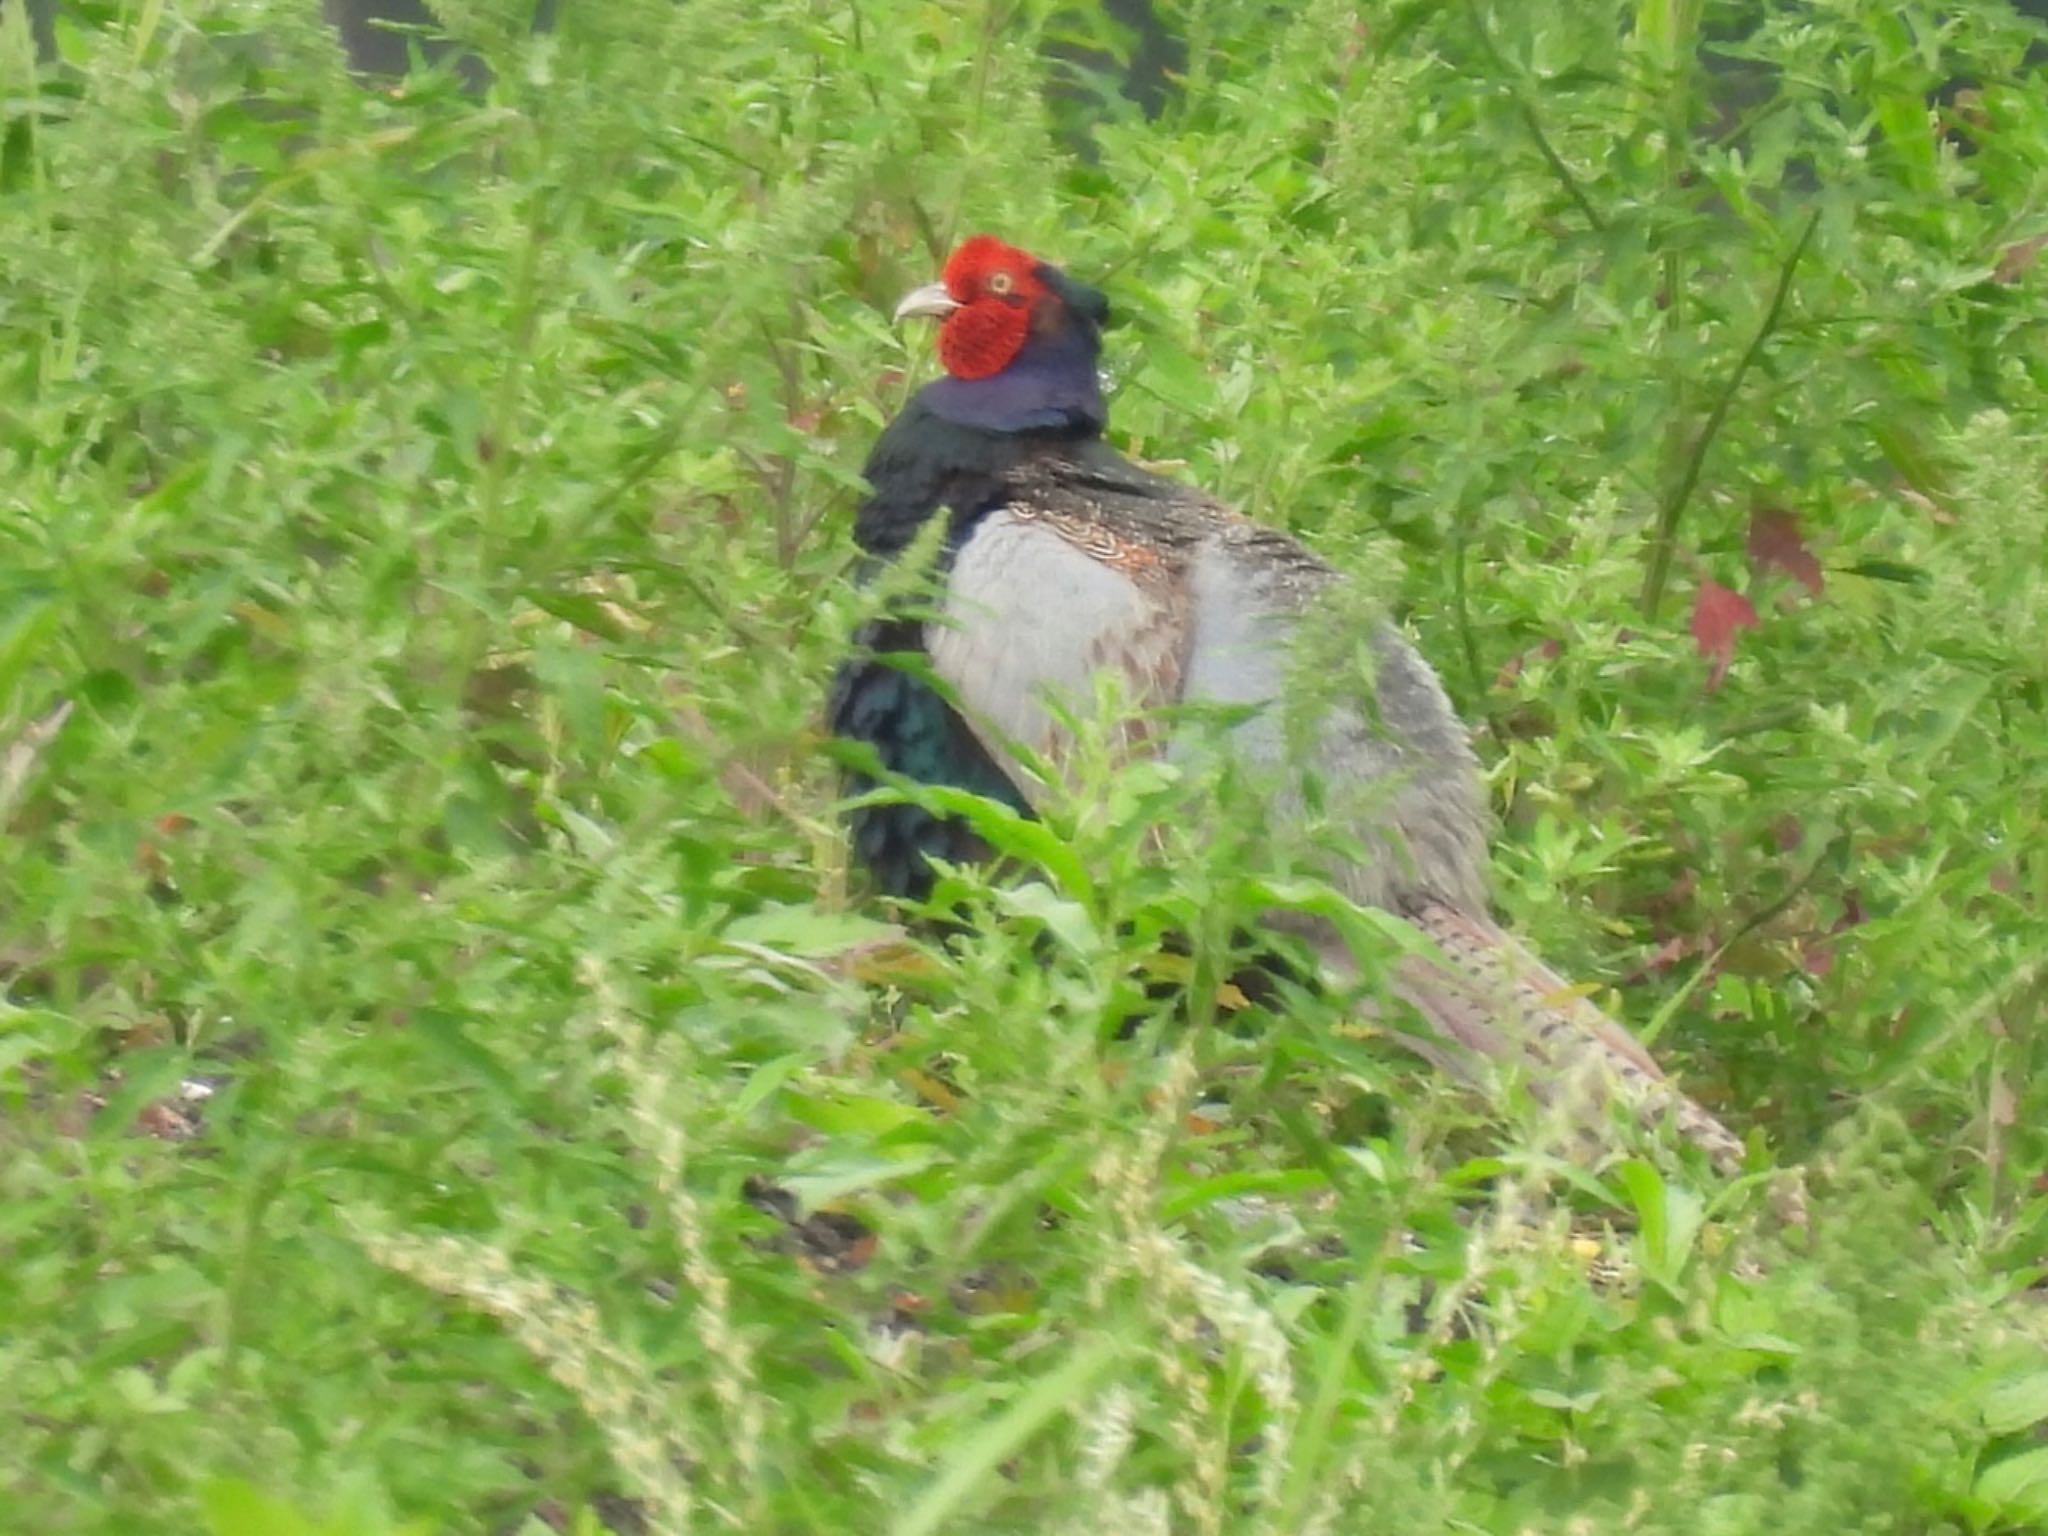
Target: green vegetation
(432,508)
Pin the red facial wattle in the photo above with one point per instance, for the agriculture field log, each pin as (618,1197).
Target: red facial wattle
(980,340)
(997,287)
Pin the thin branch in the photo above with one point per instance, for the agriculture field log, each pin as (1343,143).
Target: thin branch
(1837,849)
(1710,964)
(778,475)
(1534,123)
(1674,507)
(724,152)
(1467,639)
(751,794)
(713,600)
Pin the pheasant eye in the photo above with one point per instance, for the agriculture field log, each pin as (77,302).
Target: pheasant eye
(1000,284)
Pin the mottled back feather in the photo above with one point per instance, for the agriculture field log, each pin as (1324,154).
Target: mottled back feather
(1091,562)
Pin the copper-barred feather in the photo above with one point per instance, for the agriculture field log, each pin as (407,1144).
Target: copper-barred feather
(1502,1001)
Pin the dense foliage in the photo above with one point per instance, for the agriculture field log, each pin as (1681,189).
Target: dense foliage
(424,516)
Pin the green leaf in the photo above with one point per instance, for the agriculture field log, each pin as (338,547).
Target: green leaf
(236,1508)
(822,1183)
(1068,921)
(1670,1216)
(854,1114)
(807,931)
(581,609)
(1565,1402)
(447,1035)
(2016,1404)
(974,1458)
(1278,1182)
(1888,570)
(2017,1487)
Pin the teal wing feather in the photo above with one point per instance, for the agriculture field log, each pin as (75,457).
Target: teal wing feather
(916,735)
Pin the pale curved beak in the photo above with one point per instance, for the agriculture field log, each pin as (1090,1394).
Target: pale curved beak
(931,302)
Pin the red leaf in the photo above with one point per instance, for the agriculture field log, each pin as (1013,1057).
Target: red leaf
(1717,615)
(1774,539)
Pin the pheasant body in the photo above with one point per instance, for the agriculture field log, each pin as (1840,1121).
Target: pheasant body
(1061,560)
(1093,563)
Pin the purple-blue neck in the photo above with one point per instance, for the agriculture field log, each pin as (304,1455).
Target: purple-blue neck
(1051,383)
(954,446)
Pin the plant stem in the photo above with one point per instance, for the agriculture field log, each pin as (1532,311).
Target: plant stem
(1668,27)
(1674,505)
(1512,79)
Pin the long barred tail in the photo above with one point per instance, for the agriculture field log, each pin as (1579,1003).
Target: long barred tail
(1498,1000)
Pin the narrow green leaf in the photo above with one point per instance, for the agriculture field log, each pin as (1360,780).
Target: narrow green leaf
(1888,570)
(581,609)
(976,1457)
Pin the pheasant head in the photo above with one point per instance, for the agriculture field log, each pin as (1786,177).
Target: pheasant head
(1018,339)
